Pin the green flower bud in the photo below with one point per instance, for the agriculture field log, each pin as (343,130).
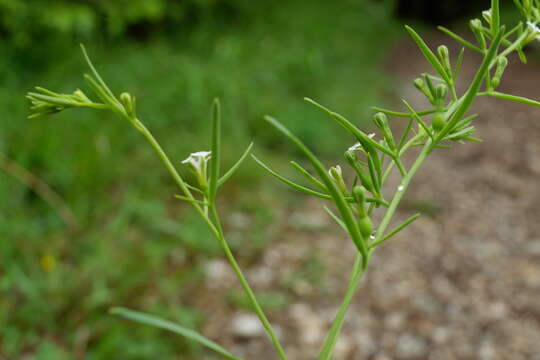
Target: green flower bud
(441,91)
(438,122)
(381,120)
(444,55)
(128,102)
(46,102)
(478,30)
(487,16)
(421,85)
(351,158)
(359,193)
(81,97)
(476,25)
(502,63)
(337,176)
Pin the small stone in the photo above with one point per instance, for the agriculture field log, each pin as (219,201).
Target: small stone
(239,220)
(218,270)
(247,326)
(394,320)
(262,276)
(497,311)
(441,335)
(410,346)
(487,351)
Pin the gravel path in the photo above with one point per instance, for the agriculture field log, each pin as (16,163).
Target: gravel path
(463,282)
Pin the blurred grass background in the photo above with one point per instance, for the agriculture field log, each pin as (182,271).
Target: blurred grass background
(135,246)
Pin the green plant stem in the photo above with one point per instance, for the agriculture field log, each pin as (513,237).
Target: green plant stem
(165,160)
(245,285)
(515,45)
(215,226)
(359,270)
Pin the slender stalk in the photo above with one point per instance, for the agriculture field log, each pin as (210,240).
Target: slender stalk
(245,285)
(215,226)
(356,278)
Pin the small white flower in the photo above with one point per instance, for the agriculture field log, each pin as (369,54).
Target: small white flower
(355,147)
(487,15)
(401,188)
(335,170)
(534,28)
(371,136)
(198,160)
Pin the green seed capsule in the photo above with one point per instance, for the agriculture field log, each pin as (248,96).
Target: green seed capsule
(366,227)
(438,122)
(365,179)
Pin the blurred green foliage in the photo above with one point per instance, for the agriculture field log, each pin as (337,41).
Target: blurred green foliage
(136,246)
(23,22)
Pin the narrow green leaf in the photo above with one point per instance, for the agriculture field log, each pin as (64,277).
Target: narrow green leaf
(395,231)
(337,196)
(96,74)
(473,139)
(405,135)
(466,121)
(46,91)
(336,218)
(191,187)
(402,114)
(308,176)
(215,148)
(291,183)
(192,201)
(514,98)
(101,93)
(461,133)
(459,63)
(357,133)
(374,174)
(428,54)
(418,118)
(235,167)
(461,40)
(56,100)
(155,321)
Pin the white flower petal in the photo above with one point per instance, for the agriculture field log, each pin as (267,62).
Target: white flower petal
(198,159)
(534,28)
